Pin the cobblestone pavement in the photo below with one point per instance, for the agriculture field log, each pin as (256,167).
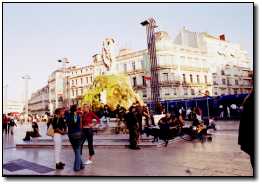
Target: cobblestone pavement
(221,157)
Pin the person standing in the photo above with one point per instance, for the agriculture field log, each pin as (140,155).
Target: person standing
(12,124)
(5,123)
(75,136)
(132,125)
(246,128)
(87,125)
(60,129)
(139,115)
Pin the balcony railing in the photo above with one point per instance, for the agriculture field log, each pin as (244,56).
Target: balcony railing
(169,82)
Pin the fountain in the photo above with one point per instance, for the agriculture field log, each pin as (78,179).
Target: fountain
(110,88)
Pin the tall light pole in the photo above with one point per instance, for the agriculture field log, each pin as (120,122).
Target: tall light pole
(26,78)
(5,100)
(151,46)
(65,61)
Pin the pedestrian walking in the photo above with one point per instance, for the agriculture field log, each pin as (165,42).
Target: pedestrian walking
(87,129)
(75,136)
(12,124)
(246,135)
(132,125)
(5,123)
(164,124)
(59,126)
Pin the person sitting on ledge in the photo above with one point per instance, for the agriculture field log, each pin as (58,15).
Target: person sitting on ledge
(34,133)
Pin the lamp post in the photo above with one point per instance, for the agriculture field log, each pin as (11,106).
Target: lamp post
(65,61)
(5,100)
(150,25)
(26,78)
(205,94)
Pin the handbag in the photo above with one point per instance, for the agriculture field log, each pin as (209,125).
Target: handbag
(76,135)
(50,131)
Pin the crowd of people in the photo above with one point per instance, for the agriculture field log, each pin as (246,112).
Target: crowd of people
(78,124)
(9,122)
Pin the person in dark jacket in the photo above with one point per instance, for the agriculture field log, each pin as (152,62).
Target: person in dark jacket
(132,125)
(75,136)
(246,128)
(34,133)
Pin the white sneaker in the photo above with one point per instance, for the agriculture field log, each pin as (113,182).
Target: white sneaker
(88,162)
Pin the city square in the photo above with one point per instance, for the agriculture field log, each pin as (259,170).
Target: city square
(137,95)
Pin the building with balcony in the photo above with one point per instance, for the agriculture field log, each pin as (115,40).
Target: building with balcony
(56,89)
(80,79)
(39,101)
(190,65)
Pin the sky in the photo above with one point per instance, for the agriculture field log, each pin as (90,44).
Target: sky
(35,36)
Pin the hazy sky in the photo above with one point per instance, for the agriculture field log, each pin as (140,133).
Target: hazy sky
(37,35)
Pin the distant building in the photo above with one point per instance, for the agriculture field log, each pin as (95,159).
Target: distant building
(80,79)
(193,64)
(14,106)
(39,101)
(56,90)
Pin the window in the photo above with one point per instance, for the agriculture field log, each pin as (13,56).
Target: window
(91,78)
(87,80)
(142,64)
(236,82)
(185,91)
(192,92)
(206,79)
(166,92)
(215,91)
(191,78)
(125,68)
(174,91)
(72,82)
(82,91)
(81,81)
(198,81)
(133,66)
(144,93)
(184,78)
(76,81)
(222,72)
(144,81)
(165,76)
(81,71)
(228,82)
(235,91)
(223,81)
(73,93)
(134,81)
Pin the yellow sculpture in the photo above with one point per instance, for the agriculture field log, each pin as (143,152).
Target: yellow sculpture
(118,91)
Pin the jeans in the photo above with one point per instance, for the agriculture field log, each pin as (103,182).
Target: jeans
(58,146)
(88,135)
(76,145)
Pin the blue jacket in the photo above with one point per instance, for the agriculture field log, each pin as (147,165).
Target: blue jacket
(73,126)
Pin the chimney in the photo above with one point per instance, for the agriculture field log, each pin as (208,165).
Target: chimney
(222,37)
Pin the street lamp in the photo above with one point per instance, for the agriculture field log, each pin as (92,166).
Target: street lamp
(206,94)
(65,80)
(150,25)
(26,78)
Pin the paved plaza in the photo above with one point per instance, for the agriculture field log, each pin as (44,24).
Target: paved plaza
(221,157)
